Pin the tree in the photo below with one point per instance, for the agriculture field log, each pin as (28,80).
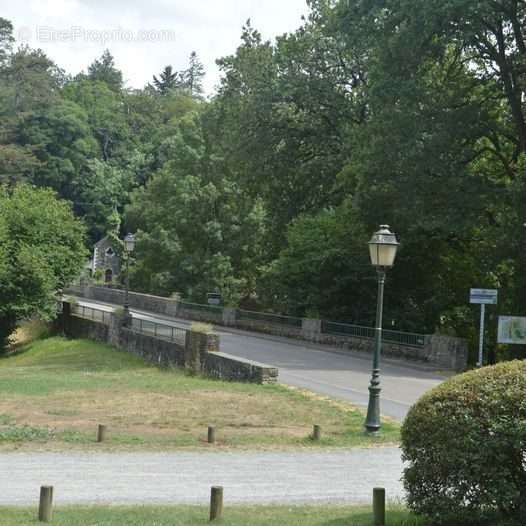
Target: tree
(62,142)
(192,77)
(198,232)
(168,80)
(106,115)
(282,115)
(41,250)
(104,70)
(323,269)
(6,39)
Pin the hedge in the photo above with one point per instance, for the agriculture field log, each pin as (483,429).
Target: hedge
(465,448)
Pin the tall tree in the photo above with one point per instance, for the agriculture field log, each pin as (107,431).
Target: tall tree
(6,39)
(106,115)
(104,70)
(167,80)
(192,77)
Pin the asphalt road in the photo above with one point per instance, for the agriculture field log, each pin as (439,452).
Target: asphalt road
(319,368)
(185,478)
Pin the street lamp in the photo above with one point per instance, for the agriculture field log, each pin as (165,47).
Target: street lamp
(383,248)
(129,247)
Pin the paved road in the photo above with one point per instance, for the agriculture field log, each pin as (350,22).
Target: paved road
(186,478)
(319,368)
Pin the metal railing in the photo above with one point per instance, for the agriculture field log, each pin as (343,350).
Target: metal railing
(273,319)
(150,328)
(215,309)
(359,331)
(90,313)
(215,313)
(159,330)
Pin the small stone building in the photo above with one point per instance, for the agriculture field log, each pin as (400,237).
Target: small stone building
(106,260)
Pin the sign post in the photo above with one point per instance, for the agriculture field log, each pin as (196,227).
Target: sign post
(483,297)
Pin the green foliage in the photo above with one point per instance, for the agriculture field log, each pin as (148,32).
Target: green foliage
(168,80)
(6,38)
(465,447)
(104,70)
(320,247)
(189,81)
(198,230)
(41,250)
(105,116)
(192,78)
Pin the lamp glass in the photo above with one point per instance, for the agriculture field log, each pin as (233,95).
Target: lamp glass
(383,248)
(129,243)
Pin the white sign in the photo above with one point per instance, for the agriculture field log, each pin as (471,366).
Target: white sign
(484,296)
(512,330)
(214,298)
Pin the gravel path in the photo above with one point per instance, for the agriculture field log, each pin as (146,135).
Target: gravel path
(186,478)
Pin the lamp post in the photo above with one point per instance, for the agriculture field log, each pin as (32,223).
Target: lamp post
(383,248)
(129,247)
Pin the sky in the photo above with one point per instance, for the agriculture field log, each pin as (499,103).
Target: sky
(145,36)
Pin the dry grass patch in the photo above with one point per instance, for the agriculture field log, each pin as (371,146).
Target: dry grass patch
(55,393)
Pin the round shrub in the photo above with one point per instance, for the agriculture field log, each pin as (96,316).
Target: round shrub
(465,447)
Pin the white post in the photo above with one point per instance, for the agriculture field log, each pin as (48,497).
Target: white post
(481,337)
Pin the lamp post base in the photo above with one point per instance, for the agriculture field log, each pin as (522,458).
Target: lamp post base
(126,317)
(372,423)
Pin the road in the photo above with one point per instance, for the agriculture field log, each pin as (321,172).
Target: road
(340,374)
(185,478)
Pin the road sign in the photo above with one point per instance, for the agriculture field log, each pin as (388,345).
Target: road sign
(484,296)
(512,330)
(214,298)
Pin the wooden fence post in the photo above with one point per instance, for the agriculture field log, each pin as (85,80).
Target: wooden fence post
(216,503)
(211,435)
(45,509)
(101,433)
(379,507)
(316,433)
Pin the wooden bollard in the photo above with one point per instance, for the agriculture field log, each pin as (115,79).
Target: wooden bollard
(216,503)
(379,507)
(101,433)
(45,509)
(211,435)
(316,433)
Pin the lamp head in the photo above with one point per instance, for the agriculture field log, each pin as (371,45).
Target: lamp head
(129,243)
(383,248)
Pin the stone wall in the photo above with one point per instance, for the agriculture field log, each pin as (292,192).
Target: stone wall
(443,352)
(85,329)
(159,352)
(221,365)
(200,353)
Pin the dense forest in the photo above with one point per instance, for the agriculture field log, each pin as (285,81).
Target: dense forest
(410,113)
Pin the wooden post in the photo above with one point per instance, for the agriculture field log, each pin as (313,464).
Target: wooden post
(101,433)
(211,435)
(316,433)
(379,507)
(216,503)
(45,509)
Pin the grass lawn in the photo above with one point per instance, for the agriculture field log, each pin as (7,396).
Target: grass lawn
(54,392)
(193,516)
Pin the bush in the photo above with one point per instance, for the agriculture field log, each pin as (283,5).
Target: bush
(465,445)
(204,328)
